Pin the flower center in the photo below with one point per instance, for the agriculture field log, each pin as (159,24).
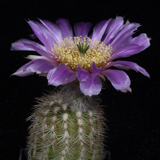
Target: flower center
(82,51)
(82,47)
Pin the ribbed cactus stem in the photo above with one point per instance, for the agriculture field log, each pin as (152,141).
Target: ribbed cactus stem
(66,125)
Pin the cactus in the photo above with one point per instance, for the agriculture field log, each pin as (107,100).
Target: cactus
(66,125)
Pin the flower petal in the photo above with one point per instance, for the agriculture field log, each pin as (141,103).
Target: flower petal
(82,29)
(65,27)
(21,73)
(36,66)
(89,84)
(126,51)
(95,70)
(19,45)
(135,46)
(43,34)
(112,29)
(128,65)
(60,75)
(124,36)
(99,30)
(142,40)
(33,57)
(25,44)
(119,79)
(54,29)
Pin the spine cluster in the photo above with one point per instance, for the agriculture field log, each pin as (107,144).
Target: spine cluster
(58,133)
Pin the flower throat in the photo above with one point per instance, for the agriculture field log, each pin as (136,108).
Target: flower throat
(82,51)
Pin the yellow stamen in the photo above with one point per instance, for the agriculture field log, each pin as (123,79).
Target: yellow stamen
(67,53)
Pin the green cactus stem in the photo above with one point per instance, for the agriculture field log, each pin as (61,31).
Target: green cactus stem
(66,125)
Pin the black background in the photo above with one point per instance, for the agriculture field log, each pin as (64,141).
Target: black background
(133,118)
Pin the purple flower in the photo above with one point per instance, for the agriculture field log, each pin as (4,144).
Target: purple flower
(66,56)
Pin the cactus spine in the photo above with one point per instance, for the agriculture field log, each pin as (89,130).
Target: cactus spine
(66,125)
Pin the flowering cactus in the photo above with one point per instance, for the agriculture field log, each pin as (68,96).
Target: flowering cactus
(68,125)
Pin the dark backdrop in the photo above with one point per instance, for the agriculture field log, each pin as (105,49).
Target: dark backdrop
(133,118)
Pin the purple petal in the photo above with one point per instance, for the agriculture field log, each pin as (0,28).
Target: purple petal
(119,79)
(99,30)
(112,29)
(126,51)
(89,84)
(39,66)
(21,73)
(20,45)
(36,66)
(135,46)
(60,75)
(24,44)
(43,34)
(95,70)
(54,29)
(65,27)
(83,75)
(124,36)
(142,40)
(129,65)
(82,29)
